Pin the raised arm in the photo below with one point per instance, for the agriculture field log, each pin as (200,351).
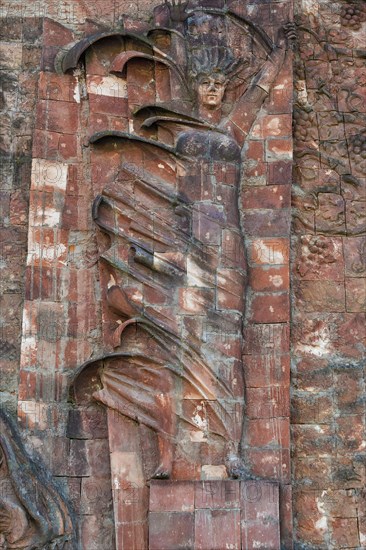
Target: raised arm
(243,115)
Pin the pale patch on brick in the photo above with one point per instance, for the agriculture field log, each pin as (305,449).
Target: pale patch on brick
(110,86)
(49,217)
(44,251)
(48,173)
(76,94)
(214,472)
(269,253)
(322,523)
(33,414)
(125,466)
(320,345)
(276,280)
(197,436)
(197,276)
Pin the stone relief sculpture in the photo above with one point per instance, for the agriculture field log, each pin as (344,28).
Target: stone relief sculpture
(32,513)
(174,267)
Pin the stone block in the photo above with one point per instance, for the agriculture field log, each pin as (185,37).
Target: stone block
(173,496)
(270,308)
(168,530)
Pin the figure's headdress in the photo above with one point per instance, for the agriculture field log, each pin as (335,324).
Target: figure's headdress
(208,50)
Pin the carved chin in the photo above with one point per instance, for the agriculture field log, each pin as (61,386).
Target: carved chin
(212,103)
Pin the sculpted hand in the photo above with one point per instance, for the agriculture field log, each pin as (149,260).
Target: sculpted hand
(177,10)
(287,36)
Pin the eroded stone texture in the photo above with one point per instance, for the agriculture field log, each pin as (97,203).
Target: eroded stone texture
(62,315)
(329,276)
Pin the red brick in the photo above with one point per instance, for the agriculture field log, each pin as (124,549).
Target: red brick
(232,250)
(272,125)
(278,149)
(18,207)
(270,308)
(269,402)
(254,169)
(279,173)
(350,431)
(56,34)
(217,494)
(230,290)
(268,251)
(259,502)
(227,195)
(171,530)
(255,150)
(268,432)
(52,145)
(313,473)
(207,222)
(141,85)
(262,536)
(58,116)
(78,462)
(217,529)
(266,370)
(272,196)
(171,496)
(108,105)
(351,333)
(349,392)
(228,345)
(56,87)
(264,279)
(314,440)
(131,535)
(195,300)
(76,213)
(267,222)
(96,495)
(89,422)
(266,339)
(186,468)
(27,385)
(286,516)
(270,464)
(330,215)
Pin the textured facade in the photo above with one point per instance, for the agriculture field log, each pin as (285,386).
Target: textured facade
(183,260)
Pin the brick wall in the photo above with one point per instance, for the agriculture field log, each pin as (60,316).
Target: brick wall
(48,274)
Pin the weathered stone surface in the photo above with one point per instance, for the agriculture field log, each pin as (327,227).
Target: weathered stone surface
(50,117)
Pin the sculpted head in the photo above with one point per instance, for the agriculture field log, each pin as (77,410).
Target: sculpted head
(211,89)
(210,71)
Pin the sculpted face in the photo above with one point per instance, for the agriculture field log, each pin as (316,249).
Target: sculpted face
(211,90)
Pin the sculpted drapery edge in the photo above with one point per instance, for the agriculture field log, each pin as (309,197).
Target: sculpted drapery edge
(33,514)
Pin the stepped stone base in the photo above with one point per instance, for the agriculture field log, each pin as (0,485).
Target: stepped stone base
(214,515)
